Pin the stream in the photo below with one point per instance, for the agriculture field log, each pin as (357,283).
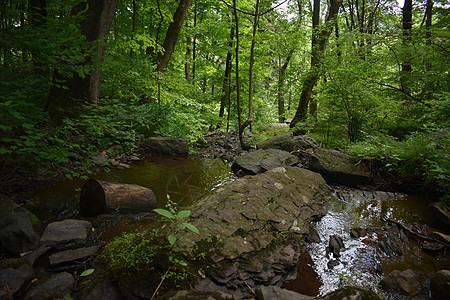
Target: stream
(360,262)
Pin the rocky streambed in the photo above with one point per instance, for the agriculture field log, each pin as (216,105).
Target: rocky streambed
(257,234)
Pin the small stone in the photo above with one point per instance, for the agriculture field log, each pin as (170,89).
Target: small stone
(66,231)
(14,279)
(71,255)
(134,158)
(333,263)
(57,286)
(114,163)
(403,282)
(336,244)
(440,285)
(123,166)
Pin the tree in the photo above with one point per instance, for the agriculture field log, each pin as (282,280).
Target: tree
(321,35)
(71,90)
(162,59)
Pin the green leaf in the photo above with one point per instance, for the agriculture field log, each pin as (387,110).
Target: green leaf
(191,228)
(181,226)
(172,239)
(164,213)
(184,214)
(87,272)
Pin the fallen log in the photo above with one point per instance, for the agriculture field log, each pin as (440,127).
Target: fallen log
(98,197)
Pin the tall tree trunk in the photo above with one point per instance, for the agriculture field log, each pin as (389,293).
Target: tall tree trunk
(407,37)
(38,13)
(187,64)
(314,49)
(194,46)
(238,86)
(322,35)
(250,80)
(162,59)
(281,78)
(428,17)
(225,88)
(133,29)
(65,100)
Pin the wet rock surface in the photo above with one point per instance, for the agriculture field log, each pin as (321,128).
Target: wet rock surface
(260,161)
(288,142)
(340,168)
(440,285)
(406,282)
(12,279)
(164,146)
(274,292)
(66,232)
(253,228)
(17,233)
(56,286)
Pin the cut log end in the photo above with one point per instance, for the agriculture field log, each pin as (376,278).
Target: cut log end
(99,197)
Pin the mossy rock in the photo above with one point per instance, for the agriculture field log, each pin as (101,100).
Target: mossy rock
(12,263)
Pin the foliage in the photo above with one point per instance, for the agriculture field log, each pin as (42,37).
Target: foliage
(141,256)
(175,217)
(420,157)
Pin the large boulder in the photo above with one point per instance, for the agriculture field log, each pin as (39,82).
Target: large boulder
(253,229)
(288,142)
(165,146)
(275,293)
(260,161)
(338,167)
(18,228)
(440,285)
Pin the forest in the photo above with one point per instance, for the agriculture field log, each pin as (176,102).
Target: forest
(367,76)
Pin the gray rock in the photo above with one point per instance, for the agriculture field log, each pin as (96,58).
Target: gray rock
(338,167)
(351,293)
(405,282)
(253,228)
(183,295)
(165,146)
(13,279)
(35,254)
(277,293)
(336,244)
(56,286)
(103,289)
(445,238)
(17,233)
(288,142)
(442,213)
(71,255)
(260,161)
(440,285)
(282,142)
(69,231)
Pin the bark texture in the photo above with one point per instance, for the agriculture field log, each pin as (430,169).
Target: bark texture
(98,197)
(162,59)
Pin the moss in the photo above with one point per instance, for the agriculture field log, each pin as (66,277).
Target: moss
(13,263)
(35,222)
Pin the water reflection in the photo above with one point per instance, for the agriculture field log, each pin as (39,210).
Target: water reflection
(360,262)
(182,178)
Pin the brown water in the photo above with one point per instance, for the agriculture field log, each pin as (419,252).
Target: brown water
(358,262)
(186,178)
(182,178)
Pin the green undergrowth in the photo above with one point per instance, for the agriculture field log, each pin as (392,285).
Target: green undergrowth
(145,257)
(420,157)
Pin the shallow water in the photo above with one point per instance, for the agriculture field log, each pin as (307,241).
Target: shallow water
(360,262)
(182,178)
